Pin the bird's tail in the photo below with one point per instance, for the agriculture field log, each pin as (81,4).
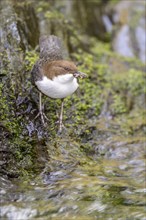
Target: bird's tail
(50,48)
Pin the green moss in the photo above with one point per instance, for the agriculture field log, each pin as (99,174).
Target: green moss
(136,81)
(42,6)
(30,58)
(118,106)
(54,15)
(133,124)
(12,121)
(13,125)
(118,89)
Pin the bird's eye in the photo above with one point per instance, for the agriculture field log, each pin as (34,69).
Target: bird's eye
(66,68)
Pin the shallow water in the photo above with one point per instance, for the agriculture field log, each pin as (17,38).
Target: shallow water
(105,185)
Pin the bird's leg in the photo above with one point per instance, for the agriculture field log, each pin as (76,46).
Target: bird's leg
(61,116)
(40,108)
(41,113)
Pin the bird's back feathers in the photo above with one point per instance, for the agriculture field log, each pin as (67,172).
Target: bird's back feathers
(50,48)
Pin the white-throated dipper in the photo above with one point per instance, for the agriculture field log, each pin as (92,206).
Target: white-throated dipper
(54,76)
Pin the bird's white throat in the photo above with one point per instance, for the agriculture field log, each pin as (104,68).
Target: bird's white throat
(60,87)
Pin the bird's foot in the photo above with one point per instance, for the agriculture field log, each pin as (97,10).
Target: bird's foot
(61,126)
(43,117)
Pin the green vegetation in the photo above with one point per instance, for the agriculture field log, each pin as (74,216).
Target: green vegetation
(30,58)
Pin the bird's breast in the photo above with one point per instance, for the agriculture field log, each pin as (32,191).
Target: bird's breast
(60,87)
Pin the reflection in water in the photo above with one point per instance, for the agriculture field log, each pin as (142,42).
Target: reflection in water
(94,188)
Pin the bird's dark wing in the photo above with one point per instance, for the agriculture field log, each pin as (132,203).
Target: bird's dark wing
(50,48)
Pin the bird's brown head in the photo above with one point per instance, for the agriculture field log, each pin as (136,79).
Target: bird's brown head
(60,67)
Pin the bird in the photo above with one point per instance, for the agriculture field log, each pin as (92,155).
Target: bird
(53,75)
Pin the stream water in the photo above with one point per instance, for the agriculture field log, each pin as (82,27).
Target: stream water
(108,183)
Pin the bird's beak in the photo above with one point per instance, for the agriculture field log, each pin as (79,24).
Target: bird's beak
(80,75)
